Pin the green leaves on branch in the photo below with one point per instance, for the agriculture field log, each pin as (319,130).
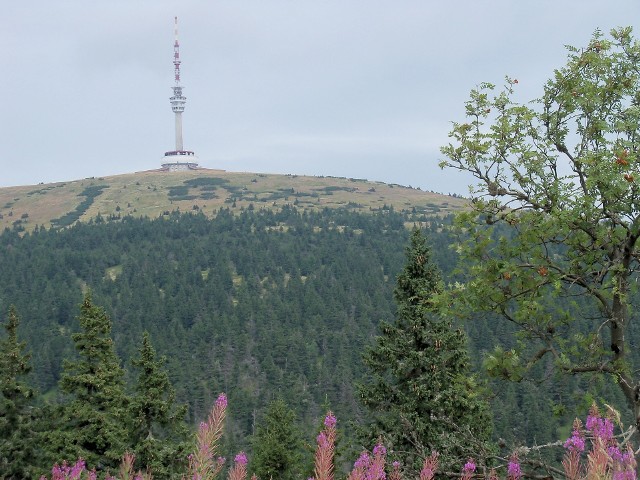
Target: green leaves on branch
(552,237)
(505,364)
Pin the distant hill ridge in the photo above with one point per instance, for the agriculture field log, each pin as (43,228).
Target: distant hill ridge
(156,193)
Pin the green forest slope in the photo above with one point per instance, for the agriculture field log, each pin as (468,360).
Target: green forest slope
(255,304)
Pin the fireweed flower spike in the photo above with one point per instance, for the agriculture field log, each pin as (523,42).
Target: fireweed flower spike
(330,421)
(77,469)
(67,472)
(239,469)
(395,473)
(126,467)
(574,447)
(624,464)
(513,469)
(602,429)
(325,449)
(202,463)
(468,470)
(376,469)
(429,467)
(360,467)
(221,401)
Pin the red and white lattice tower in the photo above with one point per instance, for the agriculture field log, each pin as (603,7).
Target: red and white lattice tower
(178,159)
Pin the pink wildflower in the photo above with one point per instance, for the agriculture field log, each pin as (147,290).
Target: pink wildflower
(363,461)
(330,421)
(77,469)
(221,401)
(395,473)
(469,469)
(429,467)
(574,446)
(66,472)
(322,440)
(513,469)
(376,468)
(624,465)
(325,449)
(600,427)
(379,449)
(202,463)
(575,441)
(239,469)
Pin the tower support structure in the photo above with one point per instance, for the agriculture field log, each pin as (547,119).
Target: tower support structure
(178,159)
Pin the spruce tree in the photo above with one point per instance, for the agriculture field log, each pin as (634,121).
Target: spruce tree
(277,444)
(93,424)
(421,394)
(16,412)
(159,434)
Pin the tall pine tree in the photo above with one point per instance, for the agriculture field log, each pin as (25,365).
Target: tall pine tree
(94,422)
(277,444)
(16,411)
(159,434)
(421,394)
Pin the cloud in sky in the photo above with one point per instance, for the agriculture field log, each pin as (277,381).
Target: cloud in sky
(352,88)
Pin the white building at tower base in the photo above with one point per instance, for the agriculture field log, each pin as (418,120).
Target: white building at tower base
(179,161)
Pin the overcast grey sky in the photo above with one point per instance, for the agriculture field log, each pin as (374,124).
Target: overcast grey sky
(348,88)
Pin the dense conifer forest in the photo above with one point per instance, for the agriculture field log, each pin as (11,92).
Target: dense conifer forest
(263,305)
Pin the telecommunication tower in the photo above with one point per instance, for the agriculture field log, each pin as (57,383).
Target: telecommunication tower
(178,159)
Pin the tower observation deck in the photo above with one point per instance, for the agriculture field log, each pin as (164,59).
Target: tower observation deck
(178,159)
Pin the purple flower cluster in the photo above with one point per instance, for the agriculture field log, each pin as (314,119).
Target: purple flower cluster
(395,474)
(600,427)
(429,466)
(323,462)
(363,461)
(513,470)
(624,463)
(376,470)
(221,402)
(575,443)
(330,421)
(241,458)
(427,473)
(379,450)
(470,466)
(468,470)
(371,468)
(322,440)
(68,472)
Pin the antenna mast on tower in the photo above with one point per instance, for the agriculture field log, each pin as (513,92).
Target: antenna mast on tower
(178,102)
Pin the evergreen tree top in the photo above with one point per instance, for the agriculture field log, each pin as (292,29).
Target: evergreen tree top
(421,393)
(419,278)
(13,361)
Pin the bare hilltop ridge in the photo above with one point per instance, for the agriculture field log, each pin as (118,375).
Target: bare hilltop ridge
(156,193)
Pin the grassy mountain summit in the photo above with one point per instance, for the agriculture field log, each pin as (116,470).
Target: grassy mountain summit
(154,193)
